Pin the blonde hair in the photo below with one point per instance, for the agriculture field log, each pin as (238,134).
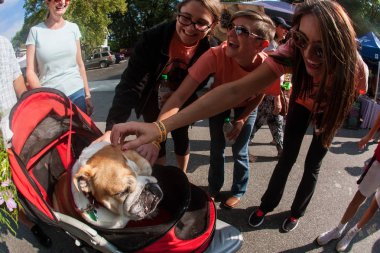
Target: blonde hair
(264,26)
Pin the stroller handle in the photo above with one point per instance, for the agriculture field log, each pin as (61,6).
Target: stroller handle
(79,230)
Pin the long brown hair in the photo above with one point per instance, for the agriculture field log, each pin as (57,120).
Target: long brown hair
(340,56)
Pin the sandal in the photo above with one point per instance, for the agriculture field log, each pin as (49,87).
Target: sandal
(231,202)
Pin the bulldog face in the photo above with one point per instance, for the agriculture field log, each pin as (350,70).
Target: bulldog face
(120,181)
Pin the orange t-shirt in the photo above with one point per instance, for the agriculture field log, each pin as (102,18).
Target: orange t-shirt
(179,54)
(225,69)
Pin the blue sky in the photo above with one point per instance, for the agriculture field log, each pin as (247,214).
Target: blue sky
(11,17)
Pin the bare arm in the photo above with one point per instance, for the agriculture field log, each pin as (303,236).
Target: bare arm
(219,99)
(363,141)
(31,67)
(19,86)
(223,97)
(178,98)
(240,121)
(82,71)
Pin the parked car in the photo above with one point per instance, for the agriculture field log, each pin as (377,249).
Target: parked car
(102,60)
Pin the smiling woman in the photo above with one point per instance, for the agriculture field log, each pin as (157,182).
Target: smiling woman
(57,61)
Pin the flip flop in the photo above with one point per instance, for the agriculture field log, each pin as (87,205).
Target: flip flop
(231,202)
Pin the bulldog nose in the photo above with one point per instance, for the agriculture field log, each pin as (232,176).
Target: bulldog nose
(154,189)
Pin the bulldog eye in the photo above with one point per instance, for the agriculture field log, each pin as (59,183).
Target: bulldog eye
(121,194)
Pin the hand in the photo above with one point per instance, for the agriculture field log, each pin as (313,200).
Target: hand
(149,151)
(105,137)
(145,133)
(89,106)
(363,141)
(235,132)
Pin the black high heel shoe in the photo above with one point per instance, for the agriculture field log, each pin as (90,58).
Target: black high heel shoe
(40,235)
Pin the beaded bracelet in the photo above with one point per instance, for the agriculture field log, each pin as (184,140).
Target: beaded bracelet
(162,129)
(157,145)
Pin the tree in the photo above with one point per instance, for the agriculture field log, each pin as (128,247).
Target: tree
(141,15)
(92,17)
(365,15)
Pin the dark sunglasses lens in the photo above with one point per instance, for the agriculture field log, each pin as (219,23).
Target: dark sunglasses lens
(299,40)
(318,52)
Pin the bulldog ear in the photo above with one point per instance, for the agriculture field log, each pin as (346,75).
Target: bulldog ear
(82,177)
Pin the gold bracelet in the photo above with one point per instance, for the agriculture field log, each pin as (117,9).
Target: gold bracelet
(162,129)
(157,145)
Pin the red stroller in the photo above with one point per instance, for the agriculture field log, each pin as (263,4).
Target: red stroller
(49,133)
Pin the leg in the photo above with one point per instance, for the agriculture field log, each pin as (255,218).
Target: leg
(275,123)
(182,146)
(240,155)
(369,213)
(298,121)
(217,145)
(305,190)
(261,117)
(353,207)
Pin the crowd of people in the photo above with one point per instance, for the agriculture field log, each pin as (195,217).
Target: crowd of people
(327,75)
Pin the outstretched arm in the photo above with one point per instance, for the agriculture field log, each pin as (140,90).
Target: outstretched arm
(363,141)
(219,99)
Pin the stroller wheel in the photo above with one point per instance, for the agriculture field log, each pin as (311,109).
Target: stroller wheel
(40,235)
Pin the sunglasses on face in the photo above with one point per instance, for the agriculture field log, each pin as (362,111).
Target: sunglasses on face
(199,25)
(302,42)
(242,31)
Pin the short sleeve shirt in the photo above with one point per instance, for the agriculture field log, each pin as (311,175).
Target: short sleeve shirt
(56,52)
(225,69)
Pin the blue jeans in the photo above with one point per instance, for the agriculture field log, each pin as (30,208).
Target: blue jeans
(239,151)
(78,99)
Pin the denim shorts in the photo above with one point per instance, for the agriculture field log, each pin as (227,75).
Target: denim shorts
(79,100)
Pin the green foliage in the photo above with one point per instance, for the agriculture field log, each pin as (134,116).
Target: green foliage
(8,193)
(92,17)
(141,15)
(365,15)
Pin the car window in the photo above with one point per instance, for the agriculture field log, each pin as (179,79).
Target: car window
(104,54)
(96,56)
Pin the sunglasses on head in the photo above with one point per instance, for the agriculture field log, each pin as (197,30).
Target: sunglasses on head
(302,42)
(199,25)
(241,30)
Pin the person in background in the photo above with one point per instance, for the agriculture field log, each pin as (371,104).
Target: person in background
(248,33)
(328,74)
(54,58)
(12,86)
(169,48)
(368,184)
(270,108)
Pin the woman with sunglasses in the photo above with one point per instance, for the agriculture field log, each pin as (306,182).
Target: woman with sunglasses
(327,75)
(169,48)
(53,56)
(248,34)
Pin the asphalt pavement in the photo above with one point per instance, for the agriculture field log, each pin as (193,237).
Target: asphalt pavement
(336,187)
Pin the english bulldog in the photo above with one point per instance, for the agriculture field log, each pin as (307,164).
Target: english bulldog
(110,187)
